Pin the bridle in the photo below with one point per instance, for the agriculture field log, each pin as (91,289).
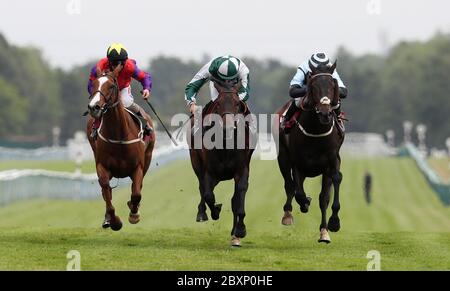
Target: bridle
(115,90)
(323,100)
(227,89)
(108,105)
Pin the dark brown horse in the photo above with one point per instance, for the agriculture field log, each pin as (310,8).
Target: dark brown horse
(312,149)
(119,150)
(213,164)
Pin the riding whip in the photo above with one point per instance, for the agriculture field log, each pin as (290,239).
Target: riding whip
(156,114)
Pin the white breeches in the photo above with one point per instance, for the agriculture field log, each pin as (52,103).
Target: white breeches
(213,90)
(126,97)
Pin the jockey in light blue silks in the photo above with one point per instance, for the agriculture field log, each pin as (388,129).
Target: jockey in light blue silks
(299,88)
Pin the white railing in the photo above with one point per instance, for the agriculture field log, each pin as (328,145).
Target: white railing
(28,184)
(47,153)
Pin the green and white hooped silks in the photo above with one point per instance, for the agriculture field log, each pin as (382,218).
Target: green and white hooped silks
(222,68)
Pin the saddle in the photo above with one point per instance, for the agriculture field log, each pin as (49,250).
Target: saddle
(139,121)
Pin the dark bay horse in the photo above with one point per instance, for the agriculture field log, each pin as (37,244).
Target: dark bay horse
(213,164)
(119,150)
(312,149)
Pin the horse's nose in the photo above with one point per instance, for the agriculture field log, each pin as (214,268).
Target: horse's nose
(94,111)
(94,108)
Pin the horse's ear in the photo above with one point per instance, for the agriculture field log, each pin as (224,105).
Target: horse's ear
(314,71)
(98,71)
(333,67)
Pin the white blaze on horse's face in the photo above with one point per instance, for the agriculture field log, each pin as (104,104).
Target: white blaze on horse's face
(325,101)
(96,98)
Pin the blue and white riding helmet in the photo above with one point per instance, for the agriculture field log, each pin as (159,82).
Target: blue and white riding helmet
(319,59)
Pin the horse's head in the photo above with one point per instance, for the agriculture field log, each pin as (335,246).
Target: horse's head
(228,104)
(323,92)
(105,93)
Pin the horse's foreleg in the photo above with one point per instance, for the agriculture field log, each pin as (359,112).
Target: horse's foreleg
(300,195)
(201,214)
(136,188)
(111,220)
(238,207)
(209,185)
(199,172)
(289,186)
(334,222)
(324,200)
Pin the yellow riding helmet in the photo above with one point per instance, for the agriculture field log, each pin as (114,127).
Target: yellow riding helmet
(117,52)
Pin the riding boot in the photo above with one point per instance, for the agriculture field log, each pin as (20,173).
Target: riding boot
(136,109)
(287,117)
(337,111)
(340,115)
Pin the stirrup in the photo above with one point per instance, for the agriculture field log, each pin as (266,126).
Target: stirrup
(341,117)
(286,124)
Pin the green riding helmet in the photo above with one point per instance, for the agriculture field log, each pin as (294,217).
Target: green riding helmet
(225,68)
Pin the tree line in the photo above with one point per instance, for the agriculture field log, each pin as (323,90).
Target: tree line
(409,82)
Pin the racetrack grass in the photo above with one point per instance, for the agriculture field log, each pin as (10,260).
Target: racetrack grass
(406,223)
(205,249)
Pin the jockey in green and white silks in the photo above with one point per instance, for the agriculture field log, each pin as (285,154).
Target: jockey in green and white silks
(226,69)
(298,87)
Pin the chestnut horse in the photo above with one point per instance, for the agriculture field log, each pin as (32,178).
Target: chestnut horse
(312,149)
(119,149)
(215,164)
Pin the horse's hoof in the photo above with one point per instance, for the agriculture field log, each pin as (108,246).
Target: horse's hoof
(334,224)
(106,224)
(201,217)
(287,219)
(216,213)
(324,236)
(235,241)
(304,205)
(240,232)
(130,206)
(134,218)
(117,224)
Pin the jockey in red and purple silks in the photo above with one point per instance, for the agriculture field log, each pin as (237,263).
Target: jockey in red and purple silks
(117,55)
